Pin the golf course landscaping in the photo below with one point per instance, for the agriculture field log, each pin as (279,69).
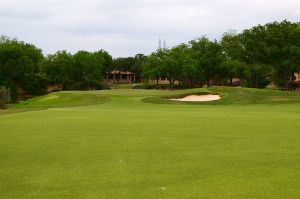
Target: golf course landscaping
(128,144)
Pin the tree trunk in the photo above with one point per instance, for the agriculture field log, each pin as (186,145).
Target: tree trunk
(172,83)
(286,81)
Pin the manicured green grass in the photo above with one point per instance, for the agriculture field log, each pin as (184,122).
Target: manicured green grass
(135,144)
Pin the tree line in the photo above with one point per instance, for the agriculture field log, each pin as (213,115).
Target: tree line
(24,69)
(257,56)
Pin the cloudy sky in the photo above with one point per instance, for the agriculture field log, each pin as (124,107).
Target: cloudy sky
(125,28)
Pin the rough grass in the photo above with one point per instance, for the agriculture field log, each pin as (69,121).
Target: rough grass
(126,148)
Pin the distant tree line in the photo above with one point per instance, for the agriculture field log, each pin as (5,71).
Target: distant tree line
(81,71)
(24,69)
(256,57)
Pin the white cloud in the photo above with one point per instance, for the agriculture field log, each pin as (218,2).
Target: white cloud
(125,28)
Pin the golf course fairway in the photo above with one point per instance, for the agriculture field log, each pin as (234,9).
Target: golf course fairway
(133,144)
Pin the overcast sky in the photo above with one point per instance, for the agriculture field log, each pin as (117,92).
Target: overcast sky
(128,27)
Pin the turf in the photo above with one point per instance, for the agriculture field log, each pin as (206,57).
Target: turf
(63,99)
(135,144)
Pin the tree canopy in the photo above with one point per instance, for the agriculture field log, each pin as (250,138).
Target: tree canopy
(256,56)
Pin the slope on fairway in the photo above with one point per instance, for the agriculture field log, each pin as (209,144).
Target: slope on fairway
(241,147)
(64,99)
(57,100)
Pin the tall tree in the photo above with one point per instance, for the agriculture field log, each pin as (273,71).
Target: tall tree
(87,69)
(276,44)
(19,66)
(137,66)
(58,67)
(209,56)
(153,67)
(105,59)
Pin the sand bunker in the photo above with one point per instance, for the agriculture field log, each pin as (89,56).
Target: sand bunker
(198,98)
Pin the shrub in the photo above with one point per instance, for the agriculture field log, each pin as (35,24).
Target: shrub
(4,96)
(35,84)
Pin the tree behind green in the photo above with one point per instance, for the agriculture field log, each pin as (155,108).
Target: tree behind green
(276,44)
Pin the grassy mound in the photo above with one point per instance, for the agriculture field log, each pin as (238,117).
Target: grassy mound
(238,96)
(63,99)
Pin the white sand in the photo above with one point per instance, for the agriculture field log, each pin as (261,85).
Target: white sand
(198,98)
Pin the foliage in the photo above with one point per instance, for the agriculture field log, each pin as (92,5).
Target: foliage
(188,64)
(154,65)
(256,75)
(23,68)
(82,70)
(105,59)
(58,67)
(276,44)
(4,96)
(19,61)
(256,57)
(132,64)
(87,69)
(233,69)
(209,57)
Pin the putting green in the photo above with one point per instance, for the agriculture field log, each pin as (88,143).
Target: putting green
(136,144)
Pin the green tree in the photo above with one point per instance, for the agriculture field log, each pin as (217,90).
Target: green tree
(181,66)
(18,62)
(153,67)
(233,69)
(256,75)
(123,63)
(276,44)
(105,59)
(209,56)
(87,70)
(139,59)
(232,47)
(58,67)
(233,65)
